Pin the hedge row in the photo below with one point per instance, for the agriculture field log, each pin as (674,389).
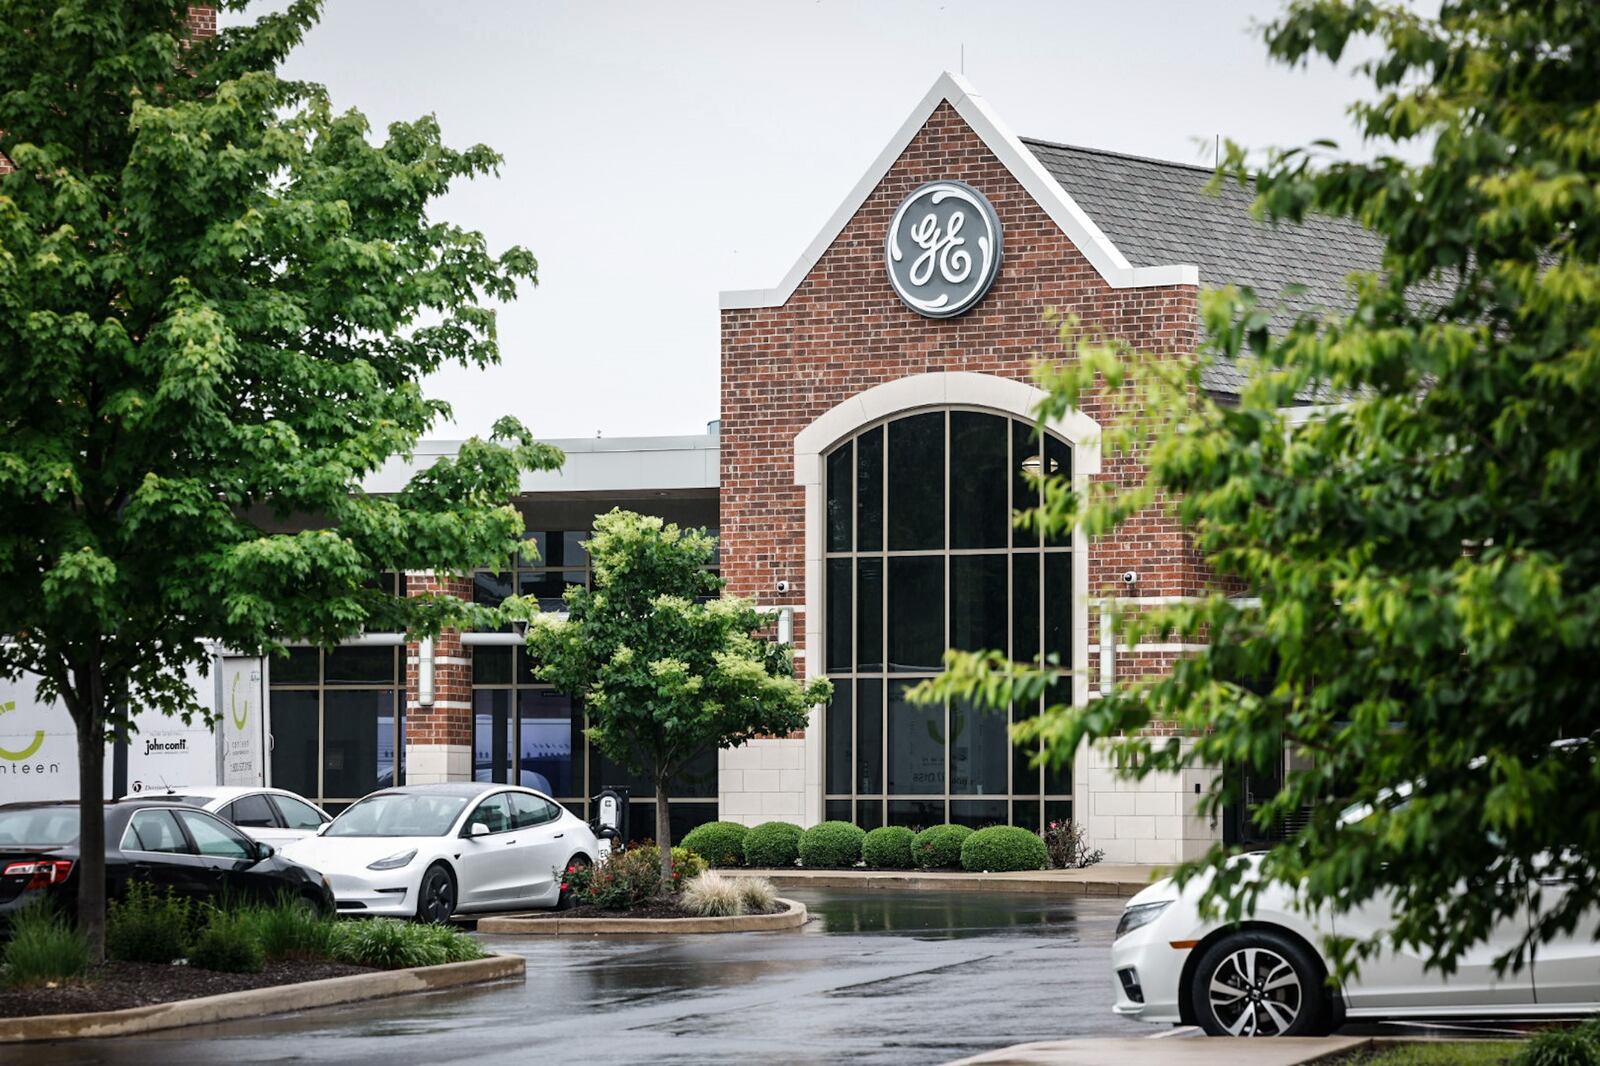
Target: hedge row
(995,849)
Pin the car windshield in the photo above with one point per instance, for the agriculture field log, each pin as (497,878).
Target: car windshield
(398,814)
(41,826)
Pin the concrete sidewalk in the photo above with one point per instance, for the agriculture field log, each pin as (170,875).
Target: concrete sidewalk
(1105,879)
(1210,1051)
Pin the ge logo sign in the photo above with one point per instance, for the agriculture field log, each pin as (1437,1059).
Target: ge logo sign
(943,249)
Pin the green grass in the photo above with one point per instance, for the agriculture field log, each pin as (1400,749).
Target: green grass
(44,949)
(1445,1053)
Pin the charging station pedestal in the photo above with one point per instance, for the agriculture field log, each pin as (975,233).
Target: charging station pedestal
(610,822)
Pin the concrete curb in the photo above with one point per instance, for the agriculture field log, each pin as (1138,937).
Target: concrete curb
(792,918)
(940,881)
(1200,1051)
(258,1002)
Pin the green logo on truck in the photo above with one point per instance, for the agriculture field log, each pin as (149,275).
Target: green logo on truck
(27,752)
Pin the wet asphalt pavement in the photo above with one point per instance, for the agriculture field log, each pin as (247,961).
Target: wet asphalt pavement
(879,977)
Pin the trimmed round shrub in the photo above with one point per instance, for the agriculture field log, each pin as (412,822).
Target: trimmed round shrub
(888,848)
(719,843)
(1003,847)
(772,844)
(939,846)
(831,844)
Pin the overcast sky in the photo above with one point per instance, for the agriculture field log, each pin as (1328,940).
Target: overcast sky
(658,153)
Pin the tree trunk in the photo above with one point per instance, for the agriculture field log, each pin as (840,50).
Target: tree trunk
(663,829)
(90,721)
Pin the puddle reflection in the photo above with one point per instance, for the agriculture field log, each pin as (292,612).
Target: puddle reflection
(937,915)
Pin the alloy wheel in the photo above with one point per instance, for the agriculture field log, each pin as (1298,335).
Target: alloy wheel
(438,897)
(1255,992)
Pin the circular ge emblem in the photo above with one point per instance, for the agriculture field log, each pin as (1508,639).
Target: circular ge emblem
(943,249)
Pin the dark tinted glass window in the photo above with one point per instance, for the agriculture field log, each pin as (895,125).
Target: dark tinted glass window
(550,734)
(869,615)
(916,744)
(840,498)
(977,813)
(494,812)
(253,812)
(839,615)
(916,613)
(294,741)
(837,731)
(1024,456)
(491,665)
(299,667)
(1058,463)
(977,602)
(869,491)
(869,735)
(916,482)
(357,665)
(359,742)
(528,811)
(916,814)
(979,750)
(1025,607)
(490,589)
(979,510)
(1058,606)
(491,734)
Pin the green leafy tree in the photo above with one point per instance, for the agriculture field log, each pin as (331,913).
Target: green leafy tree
(1420,561)
(218,300)
(663,673)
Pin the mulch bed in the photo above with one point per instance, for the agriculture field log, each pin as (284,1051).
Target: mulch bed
(119,985)
(653,909)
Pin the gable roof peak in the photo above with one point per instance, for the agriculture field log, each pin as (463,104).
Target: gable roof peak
(1079,228)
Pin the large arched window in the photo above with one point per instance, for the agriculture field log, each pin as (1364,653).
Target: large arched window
(921,555)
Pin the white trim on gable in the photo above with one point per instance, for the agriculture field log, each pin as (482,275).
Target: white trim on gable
(1089,239)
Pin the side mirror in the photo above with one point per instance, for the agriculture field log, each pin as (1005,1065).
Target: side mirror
(264,851)
(323,828)
(477,829)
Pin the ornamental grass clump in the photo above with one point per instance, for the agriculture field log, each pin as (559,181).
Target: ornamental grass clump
(390,944)
(831,844)
(228,944)
(719,843)
(289,929)
(44,949)
(1002,848)
(715,895)
(939,846)
(145,926)
(888,848)
(772,844)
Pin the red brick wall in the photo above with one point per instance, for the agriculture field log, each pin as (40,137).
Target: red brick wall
(844,330)
(448,721)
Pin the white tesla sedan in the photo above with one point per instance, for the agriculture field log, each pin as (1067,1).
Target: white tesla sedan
(430,851)
(1266,976)
(273,816)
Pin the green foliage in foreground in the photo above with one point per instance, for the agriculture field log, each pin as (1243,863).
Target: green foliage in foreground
(1420,557)
(663,675)
(44,949)
(219,299)
(147,926)
(1578,1046)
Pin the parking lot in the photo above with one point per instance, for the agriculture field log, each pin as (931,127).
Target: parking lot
(879,977)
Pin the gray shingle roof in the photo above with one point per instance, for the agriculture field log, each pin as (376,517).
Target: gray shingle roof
(1158,213)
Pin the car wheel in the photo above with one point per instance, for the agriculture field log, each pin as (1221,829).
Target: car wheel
(566,901)
(1258,983)
(436,901)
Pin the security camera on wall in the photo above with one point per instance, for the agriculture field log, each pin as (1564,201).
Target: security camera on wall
(783,586)
(1130,577)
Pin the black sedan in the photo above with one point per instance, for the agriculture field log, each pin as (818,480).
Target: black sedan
(168,845)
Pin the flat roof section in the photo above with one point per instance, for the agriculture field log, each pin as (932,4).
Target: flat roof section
(594,465)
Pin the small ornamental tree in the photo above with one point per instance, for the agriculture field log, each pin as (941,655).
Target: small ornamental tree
(218,302)
(1419,558)
(664,673)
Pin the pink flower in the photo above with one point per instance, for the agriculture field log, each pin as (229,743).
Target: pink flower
(563,886)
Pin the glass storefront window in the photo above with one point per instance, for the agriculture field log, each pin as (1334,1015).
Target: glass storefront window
(338,722)
(923,555)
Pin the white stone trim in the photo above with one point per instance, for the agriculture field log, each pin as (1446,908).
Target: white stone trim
(429,764)
(937,390)
(1079,228)
(1135,648)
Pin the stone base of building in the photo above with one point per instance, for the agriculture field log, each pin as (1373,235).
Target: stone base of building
(429,764)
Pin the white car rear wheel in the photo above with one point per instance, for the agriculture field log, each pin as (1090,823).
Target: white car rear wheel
(1258,983)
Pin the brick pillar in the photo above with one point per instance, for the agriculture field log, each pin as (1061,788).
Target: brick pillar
(439,738)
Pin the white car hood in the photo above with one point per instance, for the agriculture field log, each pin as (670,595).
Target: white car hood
(339,854)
